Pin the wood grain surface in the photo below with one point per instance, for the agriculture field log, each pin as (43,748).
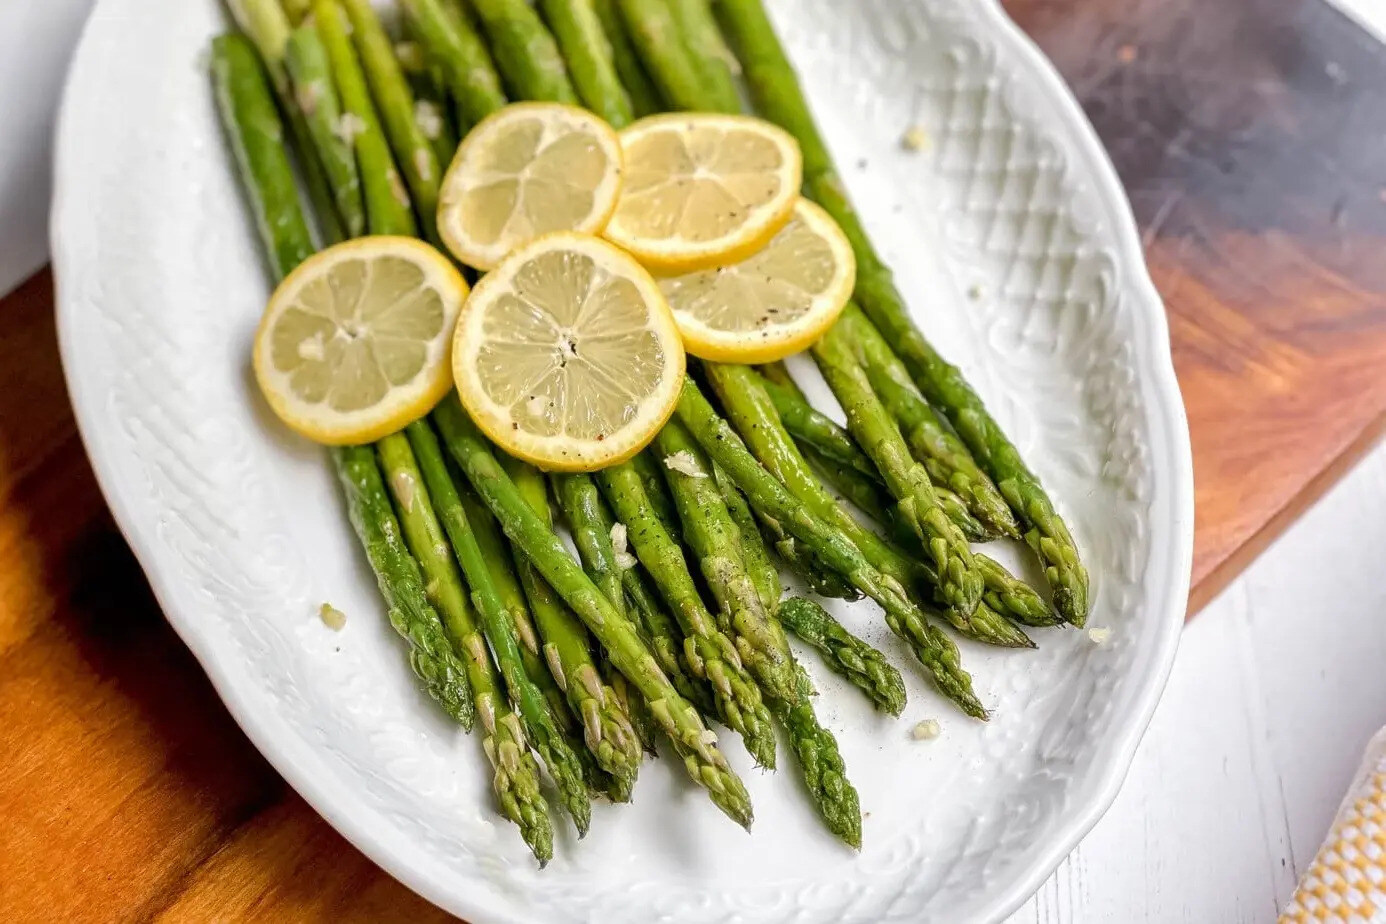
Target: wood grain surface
(1250,137)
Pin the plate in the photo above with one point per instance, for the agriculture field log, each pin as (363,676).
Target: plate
(1016,248)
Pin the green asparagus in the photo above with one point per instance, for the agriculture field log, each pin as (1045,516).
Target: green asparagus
(655,32)
(852,474)
(266,25)
(812,427)
(868,497)
(776,92)
(763,573)
(650,467)
(249,113)
(516,773)
(930,440)
(858,662)
(708,652)
(315,96)
(960,584)
(455,48)
(710,56)
(665,639)
(590,57)
(256,137)
(750,408)
(509,627)
(525,51)
(591,522)
(386,199)
(935,651)
(394,102)
(644,99)
(715,542)
(825,774)
(676,716)
(606,724)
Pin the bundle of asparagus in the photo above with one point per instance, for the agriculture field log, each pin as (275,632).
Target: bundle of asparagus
(576,665)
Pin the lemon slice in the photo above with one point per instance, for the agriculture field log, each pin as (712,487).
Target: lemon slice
(355,342)
(776,302)
(525,171)
(566,354)
(702,189)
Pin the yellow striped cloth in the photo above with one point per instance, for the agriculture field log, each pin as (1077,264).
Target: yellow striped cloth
(1347,882)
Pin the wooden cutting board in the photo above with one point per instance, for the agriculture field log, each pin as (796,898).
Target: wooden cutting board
(1252,138)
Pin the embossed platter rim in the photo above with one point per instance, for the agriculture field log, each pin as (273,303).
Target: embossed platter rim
(159,280)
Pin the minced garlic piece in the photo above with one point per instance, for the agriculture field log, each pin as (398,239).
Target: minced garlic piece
(927,730)
(332,617)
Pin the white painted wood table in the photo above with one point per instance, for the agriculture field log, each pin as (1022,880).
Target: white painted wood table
(1277,688)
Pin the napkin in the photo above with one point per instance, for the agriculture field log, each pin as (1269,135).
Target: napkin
(36,41)
(1346,884)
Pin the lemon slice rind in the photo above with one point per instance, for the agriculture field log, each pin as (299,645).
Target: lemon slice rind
(281,367)
(482,175)
(776,302)
(758,199)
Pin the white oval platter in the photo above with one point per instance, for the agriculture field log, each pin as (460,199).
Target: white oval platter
(1012,239)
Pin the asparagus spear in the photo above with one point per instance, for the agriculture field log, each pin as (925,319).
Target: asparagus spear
(868,497)
(776,92)
(825,774)
(297,10)
(539,713)
(431,656)
(525,51)
(606,724)
(1007,595)
(394,102)
(256,137)
(846,654)
(815,748)
(253,128)
(800,559)
(655,31)
(315,96)
(715,542)
(503,591)
(252,124)
(710,56)
(948,461)
(935,651)
(644,99)
(1012,597)
(850,472)
(266,25)
(591,59)
(666,640)
(676,716)
(763,573)
(453,45)
(708,653)
(591,523)
(517,775)
(650,468)
(386,199)
(907,480)
(810,426)
(642,720)
(509,754)
(751,409)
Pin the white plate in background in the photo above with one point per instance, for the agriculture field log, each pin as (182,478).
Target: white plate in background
(1016,249)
